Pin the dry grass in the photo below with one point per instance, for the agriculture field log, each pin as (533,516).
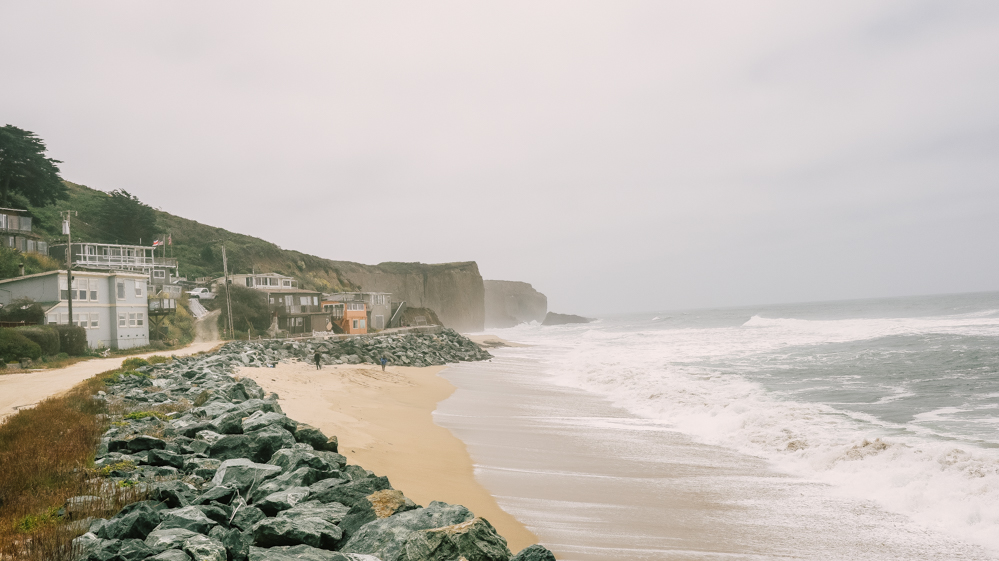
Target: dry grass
(47,454)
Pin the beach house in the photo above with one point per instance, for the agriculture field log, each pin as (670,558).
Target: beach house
(15,232)
(111,307)
(377,305)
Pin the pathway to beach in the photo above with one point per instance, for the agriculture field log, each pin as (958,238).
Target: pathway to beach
(22,390)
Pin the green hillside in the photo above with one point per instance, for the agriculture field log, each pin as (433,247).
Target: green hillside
(197,246)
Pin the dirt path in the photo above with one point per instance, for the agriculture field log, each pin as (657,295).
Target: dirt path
(206,328)
(23,390)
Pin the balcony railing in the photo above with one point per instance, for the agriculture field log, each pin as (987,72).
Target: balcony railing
(310,309)
(112,261)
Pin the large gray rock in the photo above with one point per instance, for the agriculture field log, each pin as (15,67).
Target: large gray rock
(352,491)
(173,494)
(237,544)
(246,516)
(268,440)
(314,532)
(380,504)
(143,442)
(334,513)
(223,494)
(282,500)
(119,550)
(302,477)
(291,459)
(228,423)
(203,548)
(260,420)
(386,538)
(475,540)
(535,552)
(170,538)
(188,518)
(232,446)
(314,437)
(170,555)
(135,521)
(241,474)
(165,458)
(202,467)
(303,553)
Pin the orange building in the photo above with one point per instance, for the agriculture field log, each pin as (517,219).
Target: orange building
(352,317)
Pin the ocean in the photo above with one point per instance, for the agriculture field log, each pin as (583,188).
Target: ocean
(864,429)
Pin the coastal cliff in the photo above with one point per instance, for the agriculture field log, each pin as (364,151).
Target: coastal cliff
(454,290)
(509,303)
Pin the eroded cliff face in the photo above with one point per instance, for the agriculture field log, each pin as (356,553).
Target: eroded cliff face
(509,303)
(454,290)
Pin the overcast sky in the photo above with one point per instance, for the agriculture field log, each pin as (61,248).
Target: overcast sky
(619,156)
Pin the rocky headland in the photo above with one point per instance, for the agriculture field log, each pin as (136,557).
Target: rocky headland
(229,476)
(510,303)
(562,319)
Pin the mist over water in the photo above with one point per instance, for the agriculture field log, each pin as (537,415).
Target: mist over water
(893,402)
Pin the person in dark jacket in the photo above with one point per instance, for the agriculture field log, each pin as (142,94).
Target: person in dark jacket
(319,359)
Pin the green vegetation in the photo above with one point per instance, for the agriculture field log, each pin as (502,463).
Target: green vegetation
(197,246)
(26,174)
(11,259)
(46,337)
(133,363)
(250,311)
(72,339)
(23,310)
(125,219)
(139,415)
(177,328)
(14,346)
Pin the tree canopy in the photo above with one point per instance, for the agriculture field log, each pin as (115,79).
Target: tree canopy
(26,174)
(122,218)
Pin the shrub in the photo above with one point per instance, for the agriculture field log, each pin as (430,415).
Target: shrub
(133,363)
(159,359)
(139,415)
(72,339)
(23,309)
(46,337)
(14,346)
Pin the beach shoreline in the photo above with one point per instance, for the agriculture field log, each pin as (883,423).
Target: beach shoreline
(384,422)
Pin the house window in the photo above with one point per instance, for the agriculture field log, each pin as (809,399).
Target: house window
(93,289)
(81,286)
(121,289)
(315,300)
(95,321)
(131,320)
(138,289)
(249,281)
(159,274)
(304,300)
(122,319)
(272,300)
(63,289)
(76,320)
(354,324)
(140,319)
(286,283)
(53,318)
(364,323)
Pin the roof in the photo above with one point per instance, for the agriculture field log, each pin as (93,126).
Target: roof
(76,272)
(14,209)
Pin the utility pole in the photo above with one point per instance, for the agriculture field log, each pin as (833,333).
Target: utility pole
(228,301)
(66,229)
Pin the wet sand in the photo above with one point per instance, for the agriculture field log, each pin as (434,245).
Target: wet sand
(597,483)
(384,422)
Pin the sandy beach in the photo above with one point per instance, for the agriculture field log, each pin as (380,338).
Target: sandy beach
(384,422)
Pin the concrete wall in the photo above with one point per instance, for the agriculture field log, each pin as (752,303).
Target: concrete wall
(509,303)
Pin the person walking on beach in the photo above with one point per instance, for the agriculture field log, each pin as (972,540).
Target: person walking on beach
(319,358)
(384,362)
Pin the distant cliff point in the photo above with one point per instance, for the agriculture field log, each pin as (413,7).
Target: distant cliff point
(509,303)
(561,319)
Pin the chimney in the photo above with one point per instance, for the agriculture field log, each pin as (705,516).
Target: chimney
(20,270)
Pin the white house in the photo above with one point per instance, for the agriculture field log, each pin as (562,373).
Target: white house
(112,307)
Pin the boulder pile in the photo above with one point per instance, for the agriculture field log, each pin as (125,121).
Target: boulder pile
(422,349)
(229,477)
